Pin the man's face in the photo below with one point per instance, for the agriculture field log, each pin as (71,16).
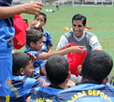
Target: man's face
(29,70)
(78,28)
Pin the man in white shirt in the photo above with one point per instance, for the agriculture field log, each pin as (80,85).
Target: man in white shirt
(79,36)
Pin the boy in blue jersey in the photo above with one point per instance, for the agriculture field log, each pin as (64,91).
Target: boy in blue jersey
(94,87)
(47,40)
(57,69)
(34,42)
(7,11)
(22,79)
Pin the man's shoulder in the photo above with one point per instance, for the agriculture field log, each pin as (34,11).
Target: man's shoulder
(68,34)
(89,34)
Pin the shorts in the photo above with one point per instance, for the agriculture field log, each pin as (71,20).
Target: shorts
(57,6)
(5,75)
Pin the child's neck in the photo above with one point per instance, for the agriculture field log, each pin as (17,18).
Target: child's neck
(63,85)
(40,29)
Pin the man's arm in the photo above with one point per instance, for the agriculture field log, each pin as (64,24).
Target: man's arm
(30,8)
(94,43)
(63,41)
(98,48)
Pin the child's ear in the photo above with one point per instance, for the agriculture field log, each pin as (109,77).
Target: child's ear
(31,44)
(47,77)
(44,23)
(105,80)
(80,70)
(69,75)
(21,71)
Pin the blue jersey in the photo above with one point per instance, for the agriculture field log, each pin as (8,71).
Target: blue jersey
(21,87)
(6,31)
(37,63)
(87,92)
(6,45)
(46,94)
(47,41)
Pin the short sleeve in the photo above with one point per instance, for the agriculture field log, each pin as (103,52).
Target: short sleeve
(63,41)
(94,43)
(41,62)
(35,53)
(49,40)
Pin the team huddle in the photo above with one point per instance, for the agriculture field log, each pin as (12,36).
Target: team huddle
(41,75)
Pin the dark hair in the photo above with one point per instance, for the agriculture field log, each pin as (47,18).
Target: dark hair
(44,15)
(97,65)
(57,69)
(33,36)
(79,17)
(20,60)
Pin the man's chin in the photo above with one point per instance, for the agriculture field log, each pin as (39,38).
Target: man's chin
(77,35)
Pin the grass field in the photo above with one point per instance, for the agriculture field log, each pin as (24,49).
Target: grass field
(101,19)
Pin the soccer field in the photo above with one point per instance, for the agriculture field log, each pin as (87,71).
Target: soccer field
(101,19)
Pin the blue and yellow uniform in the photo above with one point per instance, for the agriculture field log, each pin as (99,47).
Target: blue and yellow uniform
(21,87)
(46,94)
(6,34)
(47,40)
(37,63)
(87,92)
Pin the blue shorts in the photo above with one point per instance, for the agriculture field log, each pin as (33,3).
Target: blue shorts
(5,75)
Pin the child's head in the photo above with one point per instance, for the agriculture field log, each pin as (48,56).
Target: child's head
(57,69)
(34,39)
(42,18)
(22,64)
(97,66)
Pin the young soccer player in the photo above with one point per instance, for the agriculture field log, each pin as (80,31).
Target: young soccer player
(57,69)
(94,87)
(22,79)
(34,42)
(7,11)
(57,4)
(38,23)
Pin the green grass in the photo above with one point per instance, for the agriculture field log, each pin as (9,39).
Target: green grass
(101,19)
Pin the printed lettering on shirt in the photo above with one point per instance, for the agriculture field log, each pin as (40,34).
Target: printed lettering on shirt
(15,91)
(41,100)
(90,93)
